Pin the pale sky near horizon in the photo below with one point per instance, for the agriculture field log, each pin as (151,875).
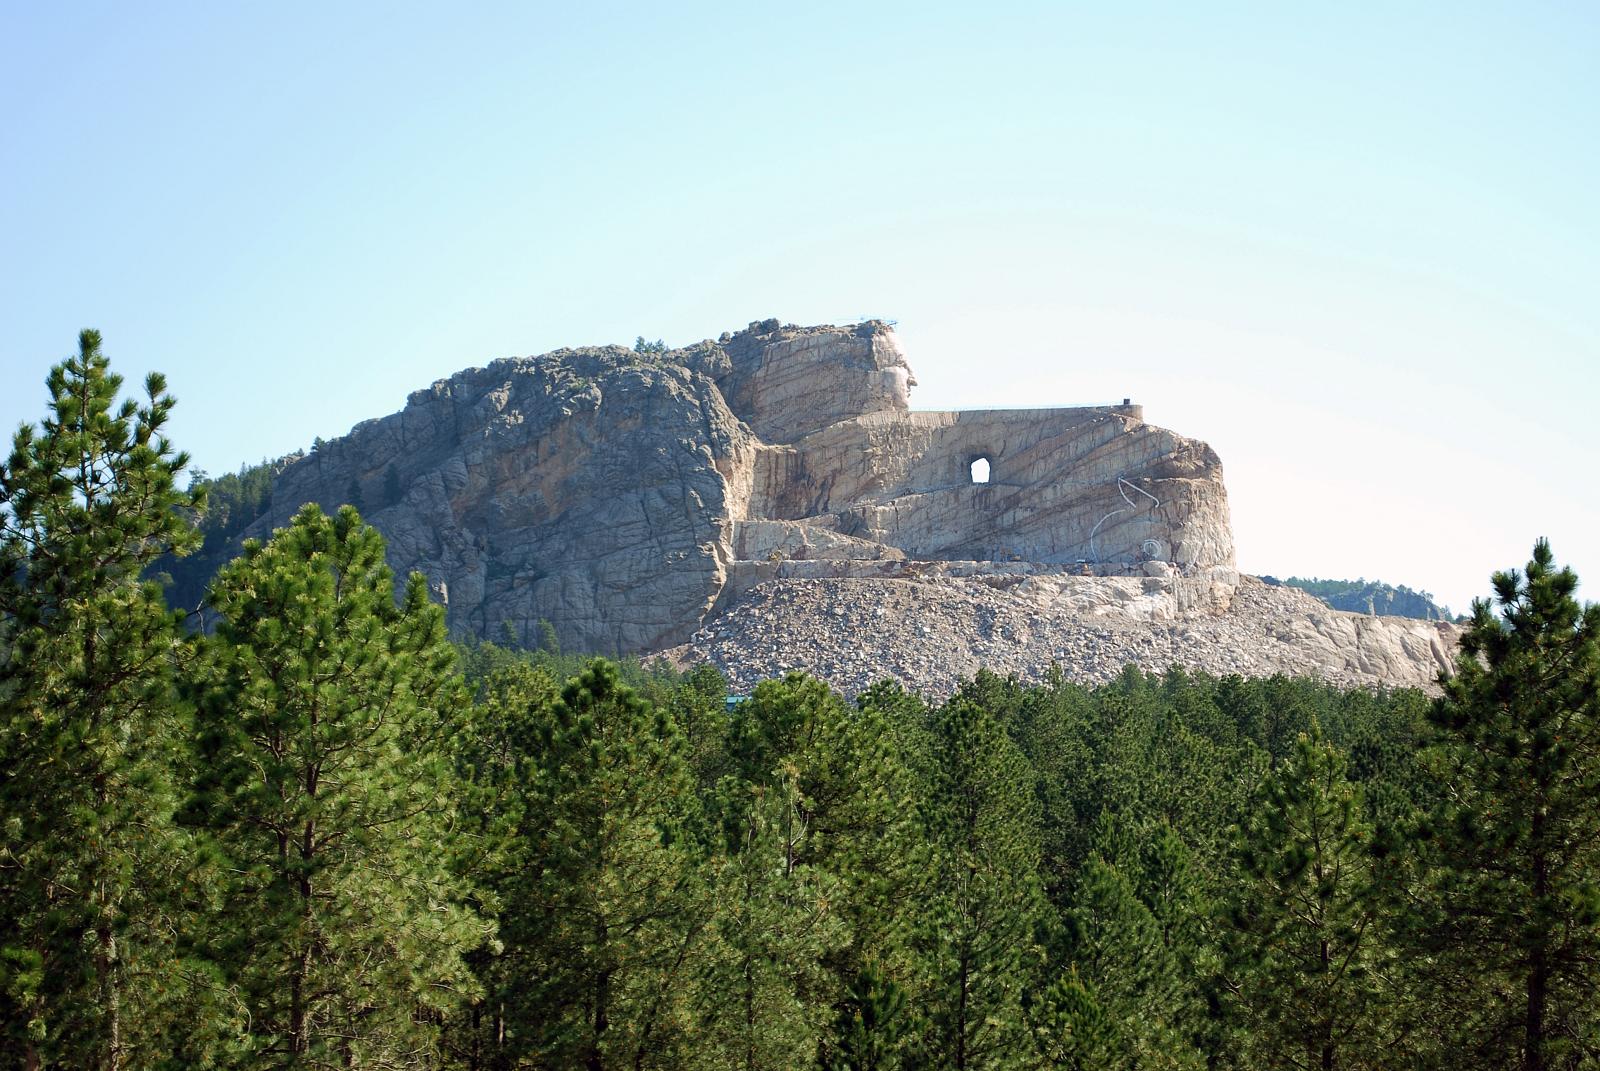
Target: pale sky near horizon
(1356,248)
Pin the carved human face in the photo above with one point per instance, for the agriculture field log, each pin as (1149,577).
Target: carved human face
(891,361)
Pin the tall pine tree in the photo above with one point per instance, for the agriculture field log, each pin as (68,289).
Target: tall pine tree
(324,712)
(604,925)
(1132,961)
(851,792)
(774,923)
(977,938)
(1308,956)
(87,733)
(1515,931)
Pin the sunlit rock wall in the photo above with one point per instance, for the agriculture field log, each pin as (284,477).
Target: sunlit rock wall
(610,492)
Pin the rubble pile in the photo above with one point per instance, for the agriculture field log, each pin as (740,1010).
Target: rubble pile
(928,633)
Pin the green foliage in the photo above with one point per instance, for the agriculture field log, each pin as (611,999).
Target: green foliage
(608,903)
(1307,966)
(353,496)
(236,499)
(324,714)
(90,864)
(1511,915)
(1373,597)
(1131,960)
(393,488)
(497,762)
(399,853)
(773,927)
(655,348)
(1069,1029)
(232,502)
(698,705)
(871,1024)
(847,788)
(479,658)
(979,917)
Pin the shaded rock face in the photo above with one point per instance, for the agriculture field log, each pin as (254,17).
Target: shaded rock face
(585,487)
(625,497)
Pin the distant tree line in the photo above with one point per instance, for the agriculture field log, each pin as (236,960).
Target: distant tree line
(233,502)
(323,836)
(1373,597)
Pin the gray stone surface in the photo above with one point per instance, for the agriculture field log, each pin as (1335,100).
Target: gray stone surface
(584,487)
(613,494)
(769,501)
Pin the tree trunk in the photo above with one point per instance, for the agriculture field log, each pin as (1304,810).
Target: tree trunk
(299,1013)
(1327,1026)
(961,1014)
(1533,1023)
(601,1021)
(105,939)
(297,1007)
(749,1018)
(110,995)
(1539,963)
(1538,985)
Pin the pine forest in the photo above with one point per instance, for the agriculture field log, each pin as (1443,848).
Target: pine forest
(318,833)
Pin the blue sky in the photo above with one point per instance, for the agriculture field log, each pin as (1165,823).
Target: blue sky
(1354,247)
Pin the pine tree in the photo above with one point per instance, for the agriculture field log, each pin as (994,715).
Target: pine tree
(324,712)
(1308,962)
(871,1025)
(89,727)
(1070,1030)
(497,763)
(698,706)
(393,489)
(1139,993)
(1515,932)
(977,938)
(353,496)
(1052,729)
(774,924)
(611,912)
(1173,889)
(853,796)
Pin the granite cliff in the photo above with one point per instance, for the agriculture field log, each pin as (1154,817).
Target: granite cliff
(629,499)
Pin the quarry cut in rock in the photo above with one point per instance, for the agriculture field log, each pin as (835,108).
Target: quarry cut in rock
(769,501)
(623,497)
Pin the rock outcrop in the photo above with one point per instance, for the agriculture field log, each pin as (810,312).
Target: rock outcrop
(769,501)
(589,488)
(626,497)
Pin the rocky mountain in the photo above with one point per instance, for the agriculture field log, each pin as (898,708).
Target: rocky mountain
(640,502)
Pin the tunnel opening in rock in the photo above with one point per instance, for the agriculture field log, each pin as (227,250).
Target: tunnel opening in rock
(980,470)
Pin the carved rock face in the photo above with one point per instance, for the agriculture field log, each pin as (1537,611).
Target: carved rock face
(623,497)
(789,382)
